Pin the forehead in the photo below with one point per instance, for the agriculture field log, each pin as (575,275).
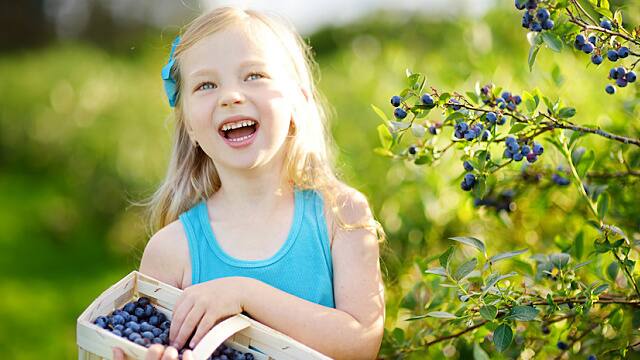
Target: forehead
(227,48)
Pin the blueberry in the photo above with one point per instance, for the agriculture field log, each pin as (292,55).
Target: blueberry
(102,322)
(621,72)
(139,341)
(502,120)
(535,26)
(518,156)
(517,99)
(154,320)
(547,24)
(606,24)
(505,95)
(542,14)
(623,52)
(507,154)
(130,307)
(132,318)
(427,100)
(612,55)
(157,341)
(587,48)
(145,326)
(119,327)
(156,331)
(143,301)
(127,332)
(630,77)
(470,179)
(562,181)
(562,345)
(546,330)
(537,148)
(592,357)
(117,320)
(249,356)
(526,20)
(511,106)
(531,157)
(525,150)
(491,117)
(133,326)
(164,338)
(513,147)
(399,113)
(509,140)
(165,325)
(596,59)
(621,82)
(456,104)
(519,4)
(580,39)
(117,332)
(467,166)
(149,310)
(613,73)
(593,39)
(464,186)
(433,130)
(470,135)
(134,336)
(462,127)
(532,4)
(412,150)
(139,312)
(396,100)
(458,134)
(148,334)
(485,135)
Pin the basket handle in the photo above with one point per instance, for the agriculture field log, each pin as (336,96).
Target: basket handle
(218,334)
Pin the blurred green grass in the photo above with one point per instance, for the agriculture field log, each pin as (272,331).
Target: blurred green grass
(84,130)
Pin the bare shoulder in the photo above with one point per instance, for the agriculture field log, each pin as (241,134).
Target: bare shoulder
(351,206)
(166,256)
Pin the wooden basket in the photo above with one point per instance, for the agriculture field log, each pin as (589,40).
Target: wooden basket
(238,332)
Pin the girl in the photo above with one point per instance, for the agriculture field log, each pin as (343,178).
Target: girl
(252,217)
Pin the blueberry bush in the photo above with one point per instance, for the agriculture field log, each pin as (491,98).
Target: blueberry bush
(580,302)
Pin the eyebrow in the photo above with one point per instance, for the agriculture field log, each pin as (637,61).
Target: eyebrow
(212,71)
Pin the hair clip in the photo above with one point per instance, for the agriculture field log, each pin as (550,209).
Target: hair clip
(170,87)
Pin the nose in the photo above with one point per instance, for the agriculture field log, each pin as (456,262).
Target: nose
(231,98)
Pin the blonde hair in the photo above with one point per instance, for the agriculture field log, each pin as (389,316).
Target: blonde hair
(309,161)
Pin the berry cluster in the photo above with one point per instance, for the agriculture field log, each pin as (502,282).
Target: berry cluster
(505,101)
(559,179)
(463,131)
(590,46)
(622,78)
(534,20)
(518,151)
(468,182)
(140,322)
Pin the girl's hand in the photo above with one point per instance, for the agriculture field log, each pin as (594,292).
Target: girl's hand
(204,305)
(156,352)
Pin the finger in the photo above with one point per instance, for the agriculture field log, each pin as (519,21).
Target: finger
(170,353)
(179,314)
(154,352)
(204,326)
(188,326)
(118,354)
(187,355)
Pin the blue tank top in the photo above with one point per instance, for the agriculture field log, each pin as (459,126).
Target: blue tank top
(302,266)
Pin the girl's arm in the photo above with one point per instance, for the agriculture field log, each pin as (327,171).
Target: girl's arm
(354,329)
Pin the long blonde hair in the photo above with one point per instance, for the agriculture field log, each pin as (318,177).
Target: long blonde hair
(309,161)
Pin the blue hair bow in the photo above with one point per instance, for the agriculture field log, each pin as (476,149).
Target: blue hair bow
(169,82)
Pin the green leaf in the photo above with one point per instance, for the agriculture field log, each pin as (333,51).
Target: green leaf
(471,241)
(529,101)
(612,270)
(502,337)
(506,255)
(578,245)
(489,312)
(600,289)
(585,163)
(603,205)
(441,315)
(533,52)
(494,279)
(379,112)
(412,79)
(465,269)
(385,136)
(517,127)
(566,112)
(523,313)
(552,40)
(560,260)
(445,258)
(398,335)
(479,353)
(556,75)
(437,271)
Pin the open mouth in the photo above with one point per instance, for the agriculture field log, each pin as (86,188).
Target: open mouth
(241,133)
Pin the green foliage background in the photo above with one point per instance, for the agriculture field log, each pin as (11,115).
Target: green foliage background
(83,130)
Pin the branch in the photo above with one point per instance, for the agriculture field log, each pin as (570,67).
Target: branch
(456,334)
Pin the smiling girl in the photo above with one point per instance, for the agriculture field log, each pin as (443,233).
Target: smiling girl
(251,215)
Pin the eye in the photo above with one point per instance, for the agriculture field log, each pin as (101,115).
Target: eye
(206,86)
(256,73)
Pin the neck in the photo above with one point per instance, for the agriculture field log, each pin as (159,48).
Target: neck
(255,191)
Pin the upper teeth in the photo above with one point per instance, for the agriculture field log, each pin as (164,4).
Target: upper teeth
(238,124)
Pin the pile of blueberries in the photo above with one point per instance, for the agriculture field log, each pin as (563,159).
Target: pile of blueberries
(534,20)
(140,322)
(621,76)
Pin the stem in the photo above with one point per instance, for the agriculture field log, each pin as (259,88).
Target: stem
(574,172)
(626,271)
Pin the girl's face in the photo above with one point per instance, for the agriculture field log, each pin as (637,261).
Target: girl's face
(227,74)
